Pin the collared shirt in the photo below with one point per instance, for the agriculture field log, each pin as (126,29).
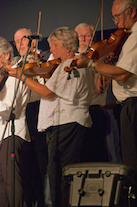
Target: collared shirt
(6,99)
(72,100)
(128,61)
(97,98)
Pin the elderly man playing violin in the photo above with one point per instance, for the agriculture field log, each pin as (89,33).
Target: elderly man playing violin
(85,32)
(21,135)
(86,38)
(21,44)
(124,76)
(38,140)
(108,129)
(64,110)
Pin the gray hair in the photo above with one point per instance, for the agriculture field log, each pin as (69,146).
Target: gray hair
(27,30)
(127,3)
(67,36)
(84,25)
(6,47)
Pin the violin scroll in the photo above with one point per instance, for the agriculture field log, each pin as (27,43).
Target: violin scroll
(72,65)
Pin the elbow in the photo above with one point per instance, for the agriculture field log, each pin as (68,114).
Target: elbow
(123,78)
(49,95)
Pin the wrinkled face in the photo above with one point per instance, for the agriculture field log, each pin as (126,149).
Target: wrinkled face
(58,50)
(84,36)
(20,42)
(121,17)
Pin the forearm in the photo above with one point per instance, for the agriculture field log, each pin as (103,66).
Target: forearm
(112,72)
(107,70)
(42,90)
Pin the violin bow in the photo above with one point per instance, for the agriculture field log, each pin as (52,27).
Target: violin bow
(101,12)
(38,29)
(95,28)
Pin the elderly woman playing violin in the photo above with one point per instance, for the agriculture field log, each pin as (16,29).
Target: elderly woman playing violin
(64,110)
(6,99)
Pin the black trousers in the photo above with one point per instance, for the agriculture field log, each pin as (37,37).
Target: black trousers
(64,147)
(5,173)
(38,159)
(128,132)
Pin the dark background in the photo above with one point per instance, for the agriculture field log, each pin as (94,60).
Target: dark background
(16,14)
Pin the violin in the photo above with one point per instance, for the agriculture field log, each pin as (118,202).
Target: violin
(100,51)
(111,47)
(44,70)
(106,50)
(3,77)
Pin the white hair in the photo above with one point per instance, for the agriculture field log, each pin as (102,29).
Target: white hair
(127,3)
(84,25)
(27,30)
(6,47)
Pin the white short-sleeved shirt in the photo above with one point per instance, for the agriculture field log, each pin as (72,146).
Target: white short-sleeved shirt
(6,99)
(128,61)
(72,100)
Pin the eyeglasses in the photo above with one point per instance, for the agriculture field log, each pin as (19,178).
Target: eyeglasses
(86,36)
(116,17)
